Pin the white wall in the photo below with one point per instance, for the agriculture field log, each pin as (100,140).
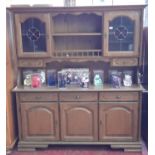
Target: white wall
(82,3)
(78,2)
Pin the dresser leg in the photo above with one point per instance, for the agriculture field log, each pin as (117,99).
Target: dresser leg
(128,147)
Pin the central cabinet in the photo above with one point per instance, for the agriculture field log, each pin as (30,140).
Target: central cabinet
(79,116)
(79,121)
(77,35)
(101,39)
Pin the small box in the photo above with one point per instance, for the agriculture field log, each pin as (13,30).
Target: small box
(52,77)
(28,74)
(115,78)
(98,77)
(127,78)
(73,77)
(36,80)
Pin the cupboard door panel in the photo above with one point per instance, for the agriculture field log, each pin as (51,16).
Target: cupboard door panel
(33,34)
(40,121)
(121,33)
(118,121)
(79,121)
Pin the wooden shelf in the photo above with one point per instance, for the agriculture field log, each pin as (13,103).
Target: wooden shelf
(77,34)
(106,87)
(79,50)
(78,53)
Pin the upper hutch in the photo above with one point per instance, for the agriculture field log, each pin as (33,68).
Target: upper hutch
(102,38)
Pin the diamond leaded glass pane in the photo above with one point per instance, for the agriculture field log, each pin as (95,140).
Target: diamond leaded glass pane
(121,34)
(33,35)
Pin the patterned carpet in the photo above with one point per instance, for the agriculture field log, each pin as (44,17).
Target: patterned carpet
(78,151)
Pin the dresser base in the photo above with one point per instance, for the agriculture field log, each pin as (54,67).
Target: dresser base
(126,146)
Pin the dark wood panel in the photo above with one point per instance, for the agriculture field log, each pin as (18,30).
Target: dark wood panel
(72,23)
(77,43)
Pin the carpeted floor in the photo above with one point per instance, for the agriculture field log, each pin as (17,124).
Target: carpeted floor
(79,151)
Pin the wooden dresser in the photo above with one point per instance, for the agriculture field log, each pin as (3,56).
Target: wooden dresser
(104,38)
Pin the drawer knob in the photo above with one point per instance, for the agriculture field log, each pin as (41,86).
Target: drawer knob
(77,97)
(100,122)
(118,97)
(38,97)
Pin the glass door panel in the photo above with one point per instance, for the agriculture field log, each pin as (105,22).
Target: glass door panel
(121,33)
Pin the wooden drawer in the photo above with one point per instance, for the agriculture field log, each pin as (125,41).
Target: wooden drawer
(119,96)
(78,96)
(38,97)
(31,63)
(124,62)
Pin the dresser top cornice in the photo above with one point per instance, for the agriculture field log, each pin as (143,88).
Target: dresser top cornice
(23,8)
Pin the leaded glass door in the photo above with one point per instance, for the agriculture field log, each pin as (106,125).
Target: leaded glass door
(33,35)
(121,33)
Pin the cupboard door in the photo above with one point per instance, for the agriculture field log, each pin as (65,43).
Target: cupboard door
(118,121)
(79,121)
(33,32)
(39,121)
(121,33)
